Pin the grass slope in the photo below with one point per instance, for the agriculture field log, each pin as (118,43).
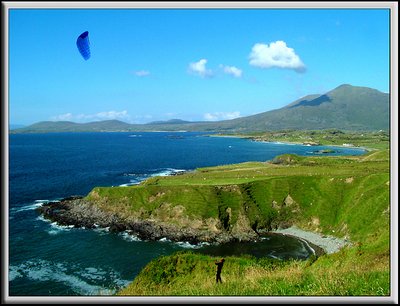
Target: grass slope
(188,274)
(348,197)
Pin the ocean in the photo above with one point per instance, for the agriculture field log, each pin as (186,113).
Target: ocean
(46,259)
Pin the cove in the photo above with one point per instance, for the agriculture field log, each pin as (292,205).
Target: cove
(272,245)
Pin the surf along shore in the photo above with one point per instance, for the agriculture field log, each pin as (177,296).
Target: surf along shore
(367,141)
(330,202)
(152,220)
(320,243)
(341,203)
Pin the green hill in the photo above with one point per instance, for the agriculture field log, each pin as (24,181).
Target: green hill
(345,197)
(67,126)
(345,107)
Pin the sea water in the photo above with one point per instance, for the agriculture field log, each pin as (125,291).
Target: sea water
(45,259)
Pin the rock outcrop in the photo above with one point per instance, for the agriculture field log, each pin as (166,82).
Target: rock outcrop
(174,226)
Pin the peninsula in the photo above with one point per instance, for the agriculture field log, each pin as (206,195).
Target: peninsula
(343,197)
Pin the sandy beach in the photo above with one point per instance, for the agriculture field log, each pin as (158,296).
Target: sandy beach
(329,244)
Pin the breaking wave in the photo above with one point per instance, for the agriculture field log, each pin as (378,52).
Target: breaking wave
(81,280)
(137,178)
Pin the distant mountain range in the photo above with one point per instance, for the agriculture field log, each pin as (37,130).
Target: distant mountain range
(346,107)
(16,126)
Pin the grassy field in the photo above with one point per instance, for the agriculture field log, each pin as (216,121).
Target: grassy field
(188,274)
(348,197)
(371,140)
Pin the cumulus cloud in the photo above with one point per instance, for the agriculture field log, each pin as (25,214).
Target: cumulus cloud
(142,73)
(199,68)
(276,54)
(232,70)
(63,117)
(221,116)
(110,115)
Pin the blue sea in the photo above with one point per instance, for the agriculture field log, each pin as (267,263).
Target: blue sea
(46,259)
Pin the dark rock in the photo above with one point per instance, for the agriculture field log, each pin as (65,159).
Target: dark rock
(81,213)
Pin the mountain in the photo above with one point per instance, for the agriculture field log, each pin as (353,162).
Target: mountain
(15,126)
(67,126)
(346,107)
(171,121)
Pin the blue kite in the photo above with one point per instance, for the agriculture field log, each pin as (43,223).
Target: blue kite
(83,45)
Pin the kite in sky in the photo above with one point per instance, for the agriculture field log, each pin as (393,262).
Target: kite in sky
(83,45)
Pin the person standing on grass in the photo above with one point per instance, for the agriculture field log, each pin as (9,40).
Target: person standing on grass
(219,269)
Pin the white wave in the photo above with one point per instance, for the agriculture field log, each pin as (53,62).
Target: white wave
(43,219)
(129,236)
(129,184)
(167,172)
(32,206)
(136,180)
(13,273)
(306,246)
(185,244)
(139,178)
(130,174)
(280,143)
(28,207)
(188,245)
(41,201)
(84,281)
(162,173)
(56,228)
(101,230)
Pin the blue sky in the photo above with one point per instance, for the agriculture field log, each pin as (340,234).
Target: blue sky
(191,64)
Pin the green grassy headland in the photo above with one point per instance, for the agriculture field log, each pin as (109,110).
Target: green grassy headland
(346,196)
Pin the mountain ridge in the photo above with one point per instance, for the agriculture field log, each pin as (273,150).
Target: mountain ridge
(345,107)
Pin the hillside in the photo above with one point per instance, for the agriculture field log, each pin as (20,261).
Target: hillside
(345,107)
(346,196)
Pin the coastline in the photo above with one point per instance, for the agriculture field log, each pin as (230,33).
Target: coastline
(329,244)
(256,139)
(76,212)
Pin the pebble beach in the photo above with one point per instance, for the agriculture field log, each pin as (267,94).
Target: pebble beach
(329,244)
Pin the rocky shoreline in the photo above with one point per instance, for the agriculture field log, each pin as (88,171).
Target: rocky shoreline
(80,213)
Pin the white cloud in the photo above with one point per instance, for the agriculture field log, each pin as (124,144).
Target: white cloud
(277,54)
(221,116)
(199,68)
(63,117)
(142,73)
(232,70)
(110,115)
(140,119)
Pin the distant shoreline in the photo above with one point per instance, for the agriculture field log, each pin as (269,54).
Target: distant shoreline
(254,138)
